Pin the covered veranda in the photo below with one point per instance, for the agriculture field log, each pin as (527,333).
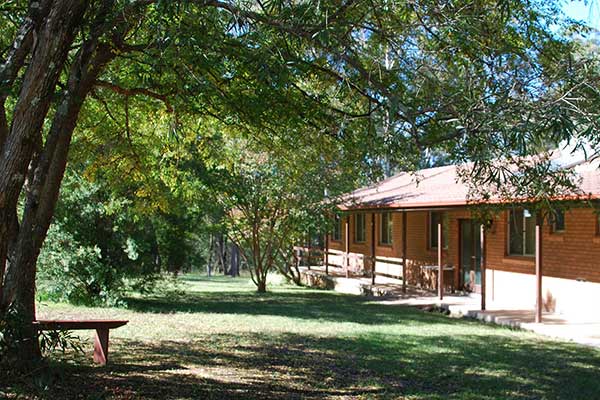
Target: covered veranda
(371,279)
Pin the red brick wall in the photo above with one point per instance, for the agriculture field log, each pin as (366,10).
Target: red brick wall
(573,254)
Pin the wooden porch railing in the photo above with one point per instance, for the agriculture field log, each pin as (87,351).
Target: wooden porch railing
(351,263)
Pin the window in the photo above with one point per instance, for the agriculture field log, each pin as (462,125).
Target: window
(558,221)
(385,228)
(337,229)
(435,217)
(597,224)
(359,228)
(521,233)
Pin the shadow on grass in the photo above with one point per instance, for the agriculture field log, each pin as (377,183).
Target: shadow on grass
(293,302)
(294,366)
(424,363)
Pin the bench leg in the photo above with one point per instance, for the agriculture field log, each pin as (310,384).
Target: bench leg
(101,346)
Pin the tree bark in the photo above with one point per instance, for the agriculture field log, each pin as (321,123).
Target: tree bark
(16,56)
(11,67)
(53,39)
(222,249)
(261,285)
(210,255)
(234,269)
(44,186)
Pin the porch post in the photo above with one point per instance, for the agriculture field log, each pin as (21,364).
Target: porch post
(440,267)
(298,254)
(373,248)
(347,237)
(404,251)
(538,268)
(326,252)
(482,262)
(308,249)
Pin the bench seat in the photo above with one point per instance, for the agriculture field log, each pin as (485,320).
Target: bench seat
(102,328)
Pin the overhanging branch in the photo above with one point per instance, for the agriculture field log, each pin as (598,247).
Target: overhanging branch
(136,92)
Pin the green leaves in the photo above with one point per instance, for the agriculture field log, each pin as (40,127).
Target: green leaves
(256,110)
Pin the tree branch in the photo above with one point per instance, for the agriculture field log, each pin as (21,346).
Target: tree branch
(135,92)
(10,68)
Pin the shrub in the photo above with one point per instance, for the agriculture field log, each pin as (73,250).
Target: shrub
(96,247)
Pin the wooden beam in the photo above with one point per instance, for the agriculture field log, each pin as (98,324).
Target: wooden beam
(389,261)
(71,325)
(538,269)
(440,267)
(404,221)
(482,262)
(101,346)
(308,249)
(373,261)
(347,237)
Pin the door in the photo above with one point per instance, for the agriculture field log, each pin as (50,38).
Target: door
(470,255)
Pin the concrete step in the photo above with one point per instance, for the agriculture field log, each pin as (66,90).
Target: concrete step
(353,285)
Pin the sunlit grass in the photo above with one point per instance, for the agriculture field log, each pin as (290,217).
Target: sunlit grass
(218,338)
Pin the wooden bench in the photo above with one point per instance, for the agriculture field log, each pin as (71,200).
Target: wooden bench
(102,328)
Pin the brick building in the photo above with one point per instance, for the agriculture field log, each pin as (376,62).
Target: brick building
(517,260)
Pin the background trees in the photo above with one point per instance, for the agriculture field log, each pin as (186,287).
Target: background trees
(473,80)
(101,244)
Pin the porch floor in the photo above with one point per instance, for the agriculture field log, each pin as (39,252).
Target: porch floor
(583,329)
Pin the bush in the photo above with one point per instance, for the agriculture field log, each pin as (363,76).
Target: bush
(10,324)
(96,247)
(70,270)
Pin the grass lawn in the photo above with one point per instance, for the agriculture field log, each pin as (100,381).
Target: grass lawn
(216,338)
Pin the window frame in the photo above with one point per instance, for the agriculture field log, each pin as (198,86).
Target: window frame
(555,219)
(430,230)
(336,234)
(363,230)
(523,234)
(389,226)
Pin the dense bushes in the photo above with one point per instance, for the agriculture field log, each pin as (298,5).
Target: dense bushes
(101,245)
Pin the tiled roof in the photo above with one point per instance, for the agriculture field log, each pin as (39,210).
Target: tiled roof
(590,179)
(440,187)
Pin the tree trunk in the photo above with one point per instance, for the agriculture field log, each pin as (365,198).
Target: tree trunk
(222,249)
(53,39)
(211,250)
(261,284)
(289,266)
(44,184)
(234,270)
(15,59)
(155,250)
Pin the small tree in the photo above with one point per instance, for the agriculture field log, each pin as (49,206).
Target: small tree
(270,211)
(273,201)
